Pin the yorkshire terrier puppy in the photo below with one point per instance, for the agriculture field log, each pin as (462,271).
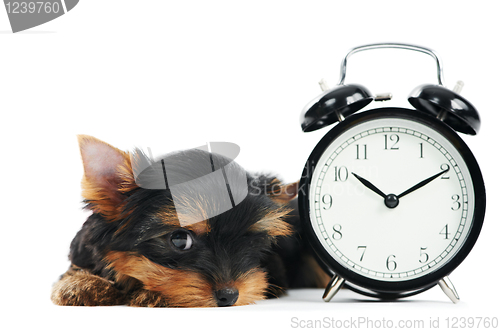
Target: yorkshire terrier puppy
(172,243)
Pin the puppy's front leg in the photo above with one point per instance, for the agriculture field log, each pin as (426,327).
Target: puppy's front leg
(146,298)
(78,287)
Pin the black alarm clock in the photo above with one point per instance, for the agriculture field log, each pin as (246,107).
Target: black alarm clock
(392,200)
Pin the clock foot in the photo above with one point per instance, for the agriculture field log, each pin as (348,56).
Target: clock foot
(333,287)
(449,289)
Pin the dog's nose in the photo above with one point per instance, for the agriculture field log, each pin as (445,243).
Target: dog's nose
(226,296)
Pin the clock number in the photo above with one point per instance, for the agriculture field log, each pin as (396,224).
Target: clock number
(337,235)
(421,150)
(456,203)
(361,152)
(341,173)
(445,167)
(391,263)
(424,257)
(393,138)
(445,232)
(327,200)
(363,248)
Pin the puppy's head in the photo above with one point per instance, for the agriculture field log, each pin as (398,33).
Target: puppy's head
(184,243)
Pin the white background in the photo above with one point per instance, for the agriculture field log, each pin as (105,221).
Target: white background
(176,74)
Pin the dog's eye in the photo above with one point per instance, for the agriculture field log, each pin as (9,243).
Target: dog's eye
(182,240)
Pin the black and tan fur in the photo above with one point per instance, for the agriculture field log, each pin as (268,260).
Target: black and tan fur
(132,249)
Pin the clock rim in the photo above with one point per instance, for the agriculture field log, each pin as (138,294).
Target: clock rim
(391,288)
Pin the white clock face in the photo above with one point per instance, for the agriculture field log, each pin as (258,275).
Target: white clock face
(419,227)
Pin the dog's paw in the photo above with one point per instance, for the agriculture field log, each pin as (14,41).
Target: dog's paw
(146,298)
(80,288)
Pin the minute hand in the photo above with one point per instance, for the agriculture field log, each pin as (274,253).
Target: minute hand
(422,183)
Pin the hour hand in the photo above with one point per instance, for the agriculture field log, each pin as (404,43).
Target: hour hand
(369,185)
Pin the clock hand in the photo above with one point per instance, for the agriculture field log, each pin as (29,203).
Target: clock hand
(369,185)
(422,183)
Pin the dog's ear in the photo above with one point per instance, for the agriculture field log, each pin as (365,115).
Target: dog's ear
(275,223)
(107,176)
(283,194)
